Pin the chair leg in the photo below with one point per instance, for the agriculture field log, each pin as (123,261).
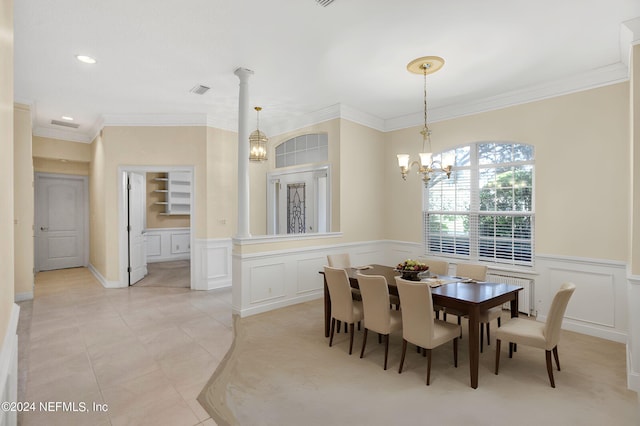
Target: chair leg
(333,327)
(444,315)
(339,326)
(488,334)
(460,324)
(510,349)
(364,342)
(359,325)
(497,355)
(404,351)
(499,322)
(386,350)
(428,365)
(352,327)
(550,368)
(555,355)
(345,327)
(379,338)
(481,336)
(455,353)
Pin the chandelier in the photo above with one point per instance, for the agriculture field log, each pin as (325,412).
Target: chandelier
(258,141)
(426,165)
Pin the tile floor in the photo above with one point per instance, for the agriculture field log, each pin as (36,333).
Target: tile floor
(144,353)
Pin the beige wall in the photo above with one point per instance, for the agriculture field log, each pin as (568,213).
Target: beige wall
(45,165)
(138,146)
(23,202)
(60,156)
(6,164)
(155,218)
(582,169)
(362,179)
(57,149)
(221,183)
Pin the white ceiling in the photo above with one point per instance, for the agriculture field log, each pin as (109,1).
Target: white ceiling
(349,57)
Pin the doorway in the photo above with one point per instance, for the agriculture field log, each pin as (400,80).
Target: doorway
(299,200)
(140,239)
(61,221)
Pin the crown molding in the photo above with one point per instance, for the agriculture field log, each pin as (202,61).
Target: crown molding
(612,74)
(154,120)
(65,135)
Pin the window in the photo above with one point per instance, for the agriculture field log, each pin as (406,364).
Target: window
(304,149)
(485,211)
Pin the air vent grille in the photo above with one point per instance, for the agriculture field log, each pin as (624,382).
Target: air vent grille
(324,3)
(65,124)
(200,89)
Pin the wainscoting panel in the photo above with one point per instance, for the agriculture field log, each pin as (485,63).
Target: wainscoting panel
(257,275)
(594,296)
(267,282)
(167,244)
(598,307)
(309,278)
(211,264)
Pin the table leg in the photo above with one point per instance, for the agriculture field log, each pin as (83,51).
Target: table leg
(327,309)
(474,345)
(514,313)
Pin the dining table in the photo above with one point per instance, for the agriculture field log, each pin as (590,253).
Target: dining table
(463,295)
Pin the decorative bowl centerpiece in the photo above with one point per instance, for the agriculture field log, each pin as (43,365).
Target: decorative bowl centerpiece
(410,269)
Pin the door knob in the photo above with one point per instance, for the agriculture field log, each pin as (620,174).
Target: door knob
(44,228)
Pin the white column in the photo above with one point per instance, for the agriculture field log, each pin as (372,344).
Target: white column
(243,153)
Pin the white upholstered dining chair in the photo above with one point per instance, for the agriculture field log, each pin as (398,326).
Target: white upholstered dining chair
(343,307)
(536,334)
(419,326)
(478,273)
(377,315)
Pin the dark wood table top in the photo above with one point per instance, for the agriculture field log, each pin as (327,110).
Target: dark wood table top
(470,292)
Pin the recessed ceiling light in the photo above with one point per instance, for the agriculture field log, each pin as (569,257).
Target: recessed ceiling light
(86,59)
(66,117)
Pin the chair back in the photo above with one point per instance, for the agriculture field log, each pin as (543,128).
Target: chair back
(417,312)
(341,260)
(438,267)
(556,314)
(470,270)
(340,293)
(375,303)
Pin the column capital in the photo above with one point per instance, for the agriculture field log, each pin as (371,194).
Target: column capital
(243,73)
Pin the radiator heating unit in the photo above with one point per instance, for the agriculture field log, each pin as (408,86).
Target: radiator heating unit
(524,297)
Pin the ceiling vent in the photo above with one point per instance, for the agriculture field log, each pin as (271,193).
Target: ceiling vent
(65,124)
(324,3)
(199,89)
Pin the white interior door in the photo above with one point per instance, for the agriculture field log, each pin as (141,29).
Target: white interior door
(60,222)
(137,210)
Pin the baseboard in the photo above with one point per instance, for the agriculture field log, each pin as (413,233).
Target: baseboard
(21,297)
(9,368)
(102,280)
(633,377)
(265,307)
